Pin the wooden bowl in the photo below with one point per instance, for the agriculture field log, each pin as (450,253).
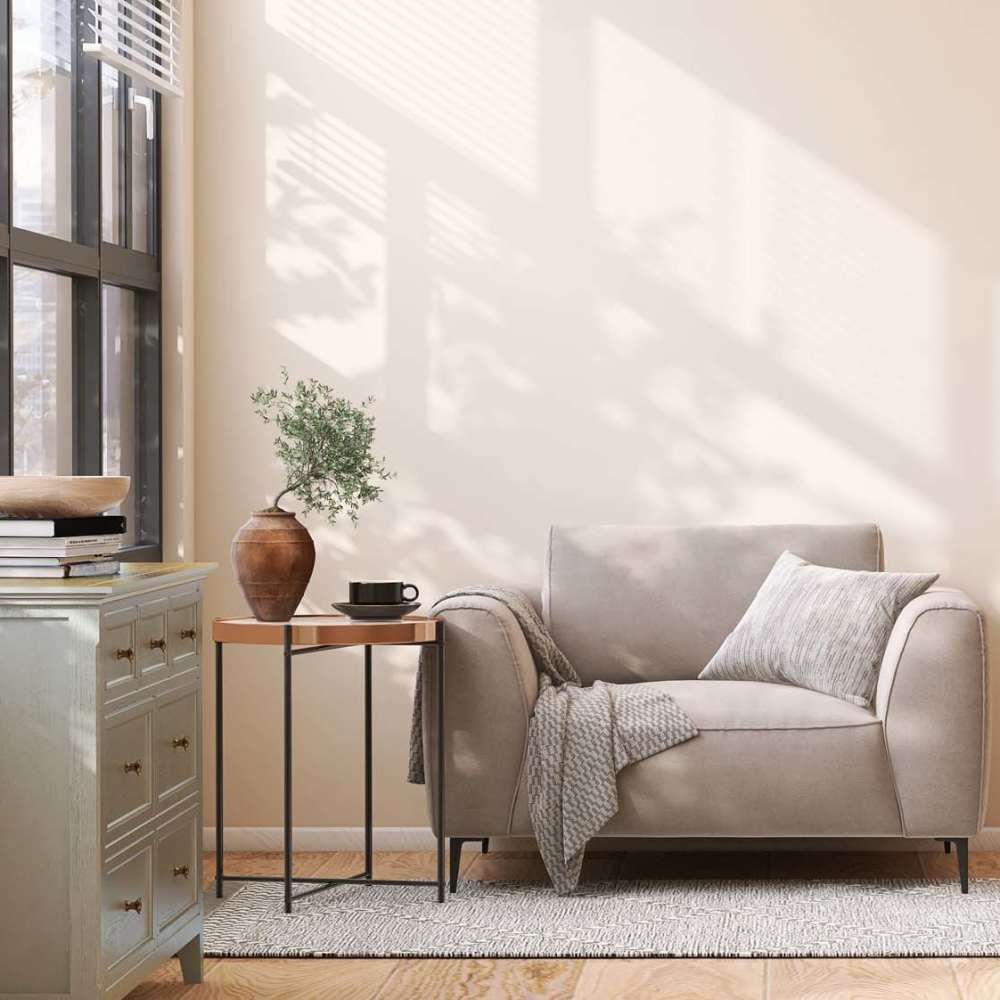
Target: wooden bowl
(61,496)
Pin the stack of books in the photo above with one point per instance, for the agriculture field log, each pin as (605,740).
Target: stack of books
(63,547)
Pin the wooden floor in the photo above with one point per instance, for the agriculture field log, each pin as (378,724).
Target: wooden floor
(678,979)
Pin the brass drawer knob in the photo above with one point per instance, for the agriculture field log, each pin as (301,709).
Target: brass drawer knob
(181,871)
(134,905)
(125,654)
(160,644)
(133,767)
(188,633)
(180,743)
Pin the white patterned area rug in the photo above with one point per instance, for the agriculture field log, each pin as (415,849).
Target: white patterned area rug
(689,918)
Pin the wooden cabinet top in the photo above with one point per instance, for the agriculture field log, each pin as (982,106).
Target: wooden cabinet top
(134,577)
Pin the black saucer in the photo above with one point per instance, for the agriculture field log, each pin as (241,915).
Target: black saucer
(377,612)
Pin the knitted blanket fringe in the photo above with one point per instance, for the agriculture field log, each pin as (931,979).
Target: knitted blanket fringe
(579,738)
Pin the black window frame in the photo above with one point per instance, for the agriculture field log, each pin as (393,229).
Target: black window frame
(91,263)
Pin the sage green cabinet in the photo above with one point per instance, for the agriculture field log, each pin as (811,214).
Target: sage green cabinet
(100,780)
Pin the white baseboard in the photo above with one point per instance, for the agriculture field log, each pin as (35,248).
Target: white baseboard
(420,838)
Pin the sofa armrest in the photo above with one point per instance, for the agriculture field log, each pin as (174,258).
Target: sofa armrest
(932,699)
(490,691)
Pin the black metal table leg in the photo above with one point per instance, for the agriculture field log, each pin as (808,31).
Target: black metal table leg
(439,646)
(369,865)
(366,877)
(219,825)
(288,767)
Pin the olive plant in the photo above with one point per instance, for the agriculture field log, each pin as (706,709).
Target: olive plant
(325,444)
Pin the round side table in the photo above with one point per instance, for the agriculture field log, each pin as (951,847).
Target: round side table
(315,634)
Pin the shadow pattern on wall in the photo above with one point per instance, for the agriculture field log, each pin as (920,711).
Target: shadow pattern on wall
(606,261)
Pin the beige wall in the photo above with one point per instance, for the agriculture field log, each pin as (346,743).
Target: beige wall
(615,260)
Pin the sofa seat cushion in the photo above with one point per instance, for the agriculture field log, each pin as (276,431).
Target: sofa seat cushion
(770,760)
(760,705)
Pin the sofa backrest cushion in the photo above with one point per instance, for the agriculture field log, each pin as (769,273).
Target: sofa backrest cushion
(648,603)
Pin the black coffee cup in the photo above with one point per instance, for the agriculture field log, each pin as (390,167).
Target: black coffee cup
(381,592)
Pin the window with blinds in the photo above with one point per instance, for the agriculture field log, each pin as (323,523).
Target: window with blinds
(140,37)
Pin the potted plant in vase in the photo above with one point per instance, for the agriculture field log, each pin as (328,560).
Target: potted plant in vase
(325,444)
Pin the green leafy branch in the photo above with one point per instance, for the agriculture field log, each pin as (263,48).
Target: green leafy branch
(325,444)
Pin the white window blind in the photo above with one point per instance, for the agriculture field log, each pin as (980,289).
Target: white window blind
(139,37)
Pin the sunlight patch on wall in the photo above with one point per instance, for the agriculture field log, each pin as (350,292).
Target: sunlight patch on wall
(755,252)
(464,72)
(459,232)
(469,360)
(326,192)
(819,476)
(469,367)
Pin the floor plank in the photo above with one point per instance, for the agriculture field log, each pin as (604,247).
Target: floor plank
(303,979)
(818,979)
(861,979)
(292,979)
(444,979)
(165,988)
(978,978)
(527,866)
(388,864)
(674,978)
(982,864)
(265,863)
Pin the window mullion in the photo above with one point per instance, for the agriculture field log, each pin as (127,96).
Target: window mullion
(126,171)
(87,361)
(86,351)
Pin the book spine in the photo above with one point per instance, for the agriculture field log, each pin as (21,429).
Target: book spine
(63,527)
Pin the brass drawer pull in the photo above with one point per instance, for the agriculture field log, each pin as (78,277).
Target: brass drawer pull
(125,654)
(188,633)
(160,644)
(181,871)
(133,767)
(133,904)
(180,743)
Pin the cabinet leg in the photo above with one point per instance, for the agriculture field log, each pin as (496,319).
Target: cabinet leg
(191,961)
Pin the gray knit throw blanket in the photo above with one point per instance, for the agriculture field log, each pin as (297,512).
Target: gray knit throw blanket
(579,738)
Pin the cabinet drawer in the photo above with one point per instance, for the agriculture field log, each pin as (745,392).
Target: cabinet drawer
(177,873)
(117,652)
(178,730)
(151,641)
(184,630)
(127,767)
(127,905)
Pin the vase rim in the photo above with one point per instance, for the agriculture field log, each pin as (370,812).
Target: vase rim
(270,512)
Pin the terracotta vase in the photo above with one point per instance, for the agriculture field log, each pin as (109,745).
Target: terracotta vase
(273,557)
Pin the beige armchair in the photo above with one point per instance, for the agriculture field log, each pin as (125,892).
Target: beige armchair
(632,604)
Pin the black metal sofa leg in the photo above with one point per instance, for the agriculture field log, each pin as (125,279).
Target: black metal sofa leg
(962,847)
(455,849)
(455,855)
